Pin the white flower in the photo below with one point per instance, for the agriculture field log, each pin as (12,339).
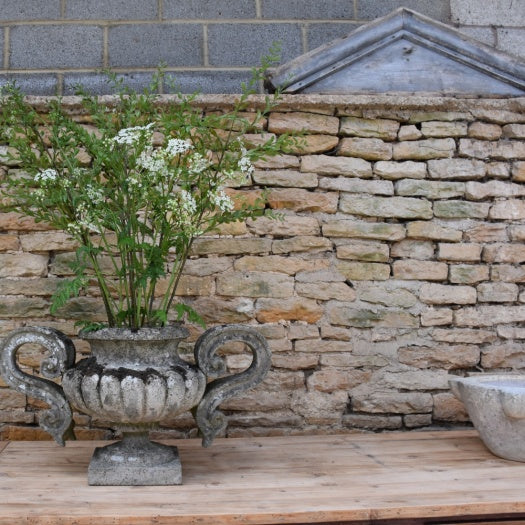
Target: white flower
(188,203)
(153,161)
(178,146)
(198,163)
(245,164)
(46,176)
(222,201)
(130,136)
(95,195)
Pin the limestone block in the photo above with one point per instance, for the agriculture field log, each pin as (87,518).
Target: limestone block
(343,166)
(429,189)
(511,209)
(432,293)
(409,132)
(468,273)
(303,243)
(408,248)
(504,253)
(347,315)
(320,408)
(369,128)
(278,263)
(331,379)
(368,149)
(325,291)
(456,169)
(302,331)
(461,209)
(393,402)
(517,233)
(23,265)
(255,284)
(448,408)
(518,171)
(47,241)
(400,170)
(486,232)
(349,360)
(463,335)
(514,131)
(364,251)
(311,123)
(413,269)
(511,332)
(278,162)
(440,129)
(290,309)
(216,310)
(498,292)
(393,207)
(436,316)
(11,399)
(295,361)
(493,188)
(417,420)
(207,266)
(466,252)
(302,200)
(290,225)
(309,144)
(501,150)
(390,293)
(285,178)
(484,131)
(364,230)
(9,242)
(414,379)
(372,422)
(364,271)
(373,187)
(29,286)
(424,149)
(322,346)
(508,273)
(508,354)
(489,315)
(249,245)
(432,231)
(498,170)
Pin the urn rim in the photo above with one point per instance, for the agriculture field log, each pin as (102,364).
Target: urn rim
(164,333)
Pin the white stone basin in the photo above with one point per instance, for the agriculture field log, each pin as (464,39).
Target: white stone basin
(496,407)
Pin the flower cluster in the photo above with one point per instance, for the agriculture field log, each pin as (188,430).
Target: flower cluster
(158,177)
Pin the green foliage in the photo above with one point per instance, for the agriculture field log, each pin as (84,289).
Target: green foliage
(156,179)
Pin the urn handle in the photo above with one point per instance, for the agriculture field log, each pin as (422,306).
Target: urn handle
(210,420)
(58,420)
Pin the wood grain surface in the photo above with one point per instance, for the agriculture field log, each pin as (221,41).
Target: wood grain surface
(276,480)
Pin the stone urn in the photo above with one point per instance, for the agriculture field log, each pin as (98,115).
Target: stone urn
(496,407)
(134,381)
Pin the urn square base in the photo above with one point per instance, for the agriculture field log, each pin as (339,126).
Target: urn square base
(135,462)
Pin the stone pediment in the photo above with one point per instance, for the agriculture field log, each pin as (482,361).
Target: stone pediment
(402,52)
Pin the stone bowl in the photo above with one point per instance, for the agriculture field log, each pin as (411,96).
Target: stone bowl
(496,407)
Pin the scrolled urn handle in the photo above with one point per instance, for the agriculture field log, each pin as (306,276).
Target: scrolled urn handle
(58,420)
(210,420)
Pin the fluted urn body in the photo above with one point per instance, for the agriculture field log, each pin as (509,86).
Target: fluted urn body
(134,380)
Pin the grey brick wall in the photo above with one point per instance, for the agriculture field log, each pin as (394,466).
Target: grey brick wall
(209,46)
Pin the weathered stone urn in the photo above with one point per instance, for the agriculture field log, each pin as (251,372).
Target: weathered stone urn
(134,381)
(496,406)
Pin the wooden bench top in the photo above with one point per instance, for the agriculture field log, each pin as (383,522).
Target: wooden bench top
(428,476)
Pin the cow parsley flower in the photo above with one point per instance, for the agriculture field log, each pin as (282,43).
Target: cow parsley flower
(45,176)
(222,201)
(178,146)
(129,136)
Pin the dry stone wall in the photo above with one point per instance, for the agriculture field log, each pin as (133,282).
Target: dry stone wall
(399,260)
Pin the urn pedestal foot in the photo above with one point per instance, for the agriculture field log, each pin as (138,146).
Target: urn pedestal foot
(135,460)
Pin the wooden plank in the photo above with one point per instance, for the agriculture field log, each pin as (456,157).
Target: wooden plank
(3,444)
(300,479)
